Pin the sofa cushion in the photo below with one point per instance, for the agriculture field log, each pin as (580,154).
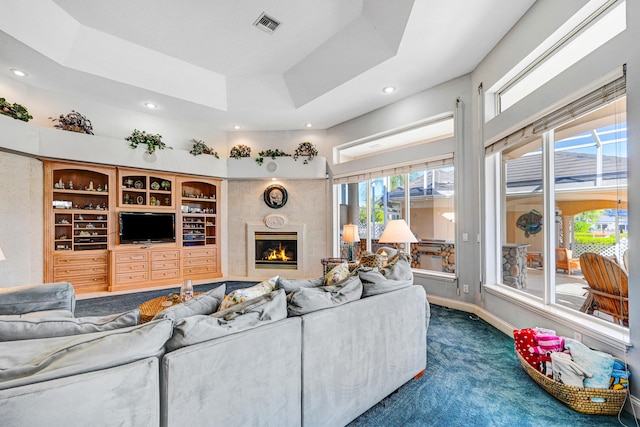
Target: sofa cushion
(392,277)
(48,327)
(39,315)
(205,303)
(249,314)
(307,300)
(30,361)
(26,299)
(290,285)
(336,274)
(241,295)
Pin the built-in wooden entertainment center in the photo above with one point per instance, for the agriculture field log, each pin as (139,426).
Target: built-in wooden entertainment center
(84,207)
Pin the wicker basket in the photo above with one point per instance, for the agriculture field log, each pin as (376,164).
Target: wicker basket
(576,398)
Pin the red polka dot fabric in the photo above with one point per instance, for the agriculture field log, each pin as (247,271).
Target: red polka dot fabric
(523,340)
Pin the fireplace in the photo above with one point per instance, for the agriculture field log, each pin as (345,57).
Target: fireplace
(277,234)
(276,250)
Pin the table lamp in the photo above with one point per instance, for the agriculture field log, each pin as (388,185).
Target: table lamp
(350,235)
(397,231)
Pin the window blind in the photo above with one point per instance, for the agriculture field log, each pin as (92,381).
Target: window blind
(587,103)
(446,160)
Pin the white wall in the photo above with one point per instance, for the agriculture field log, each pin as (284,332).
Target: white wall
(21,220)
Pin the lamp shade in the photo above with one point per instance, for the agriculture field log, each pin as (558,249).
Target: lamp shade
(397,231)
(350,233)
(2,258)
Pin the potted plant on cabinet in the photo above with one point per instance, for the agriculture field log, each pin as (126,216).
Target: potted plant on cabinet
(305,149)
(270,153)
(199,147)
(14,110)
(239,151)
(74,122)
(152,141)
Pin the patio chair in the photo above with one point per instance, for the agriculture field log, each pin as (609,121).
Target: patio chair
(608,290)
(565,261)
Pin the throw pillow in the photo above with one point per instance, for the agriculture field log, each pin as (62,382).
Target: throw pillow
(306,300)
(48,327)
(240,317)
(290,285)
(371,260)
(241,295)
(390,278)
(205,303)
(336,274)
(32,361)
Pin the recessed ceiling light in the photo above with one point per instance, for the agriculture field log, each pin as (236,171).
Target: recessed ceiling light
(19,73)
(150,105)
(236,127)
(389,89)
(309,125)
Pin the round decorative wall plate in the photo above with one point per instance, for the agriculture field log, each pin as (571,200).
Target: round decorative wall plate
(138,184)
(275,196)
(155,185)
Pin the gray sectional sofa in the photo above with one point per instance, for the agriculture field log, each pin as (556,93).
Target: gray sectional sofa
(322,368)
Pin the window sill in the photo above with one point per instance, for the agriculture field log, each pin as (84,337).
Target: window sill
(429,274)
(606,332)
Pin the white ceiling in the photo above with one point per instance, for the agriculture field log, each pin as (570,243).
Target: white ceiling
(203,59)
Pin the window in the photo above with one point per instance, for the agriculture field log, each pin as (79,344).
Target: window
(595,24)
(432,129)
(370,201)
(564,193)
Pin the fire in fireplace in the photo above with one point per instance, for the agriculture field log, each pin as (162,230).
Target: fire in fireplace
(277,250)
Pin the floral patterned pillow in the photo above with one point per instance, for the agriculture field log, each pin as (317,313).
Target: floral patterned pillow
(336,274)
(241,295)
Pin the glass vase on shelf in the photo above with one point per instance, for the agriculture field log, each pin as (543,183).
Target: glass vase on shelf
(186,290)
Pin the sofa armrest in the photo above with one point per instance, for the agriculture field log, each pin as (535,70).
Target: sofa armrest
(43,297)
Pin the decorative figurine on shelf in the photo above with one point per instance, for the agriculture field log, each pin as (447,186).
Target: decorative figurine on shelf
(70,185)
(61,184)
(90,186)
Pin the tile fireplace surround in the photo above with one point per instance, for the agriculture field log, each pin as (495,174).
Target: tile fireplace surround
(274,223)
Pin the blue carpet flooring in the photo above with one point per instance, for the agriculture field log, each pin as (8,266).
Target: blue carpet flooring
(472,379)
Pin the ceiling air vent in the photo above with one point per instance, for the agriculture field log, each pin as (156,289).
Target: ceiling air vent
(266,23)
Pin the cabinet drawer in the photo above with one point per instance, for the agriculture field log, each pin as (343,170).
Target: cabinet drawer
(193,262)
(99,280)
(132,256)
(165,265)
(66,260)
(80,270)
(191,253)
(199,270)
(132,267)
(141,276)
(164,255)
(165,274)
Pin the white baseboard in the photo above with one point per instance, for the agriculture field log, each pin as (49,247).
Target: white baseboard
(635,407)
(490,318)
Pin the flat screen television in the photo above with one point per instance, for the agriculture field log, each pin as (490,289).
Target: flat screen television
(147,227)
